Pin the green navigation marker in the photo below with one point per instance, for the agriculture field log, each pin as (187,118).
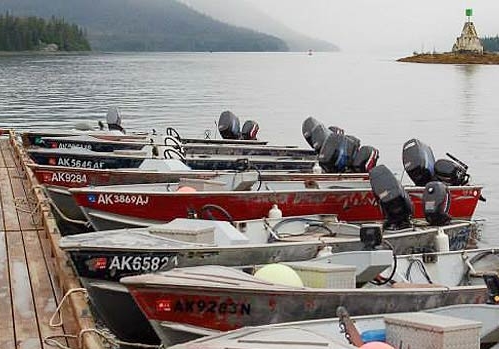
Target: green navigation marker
(469,12)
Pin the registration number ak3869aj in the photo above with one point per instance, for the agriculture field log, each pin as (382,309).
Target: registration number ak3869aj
(113,199)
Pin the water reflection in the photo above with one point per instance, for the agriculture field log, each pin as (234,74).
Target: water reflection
(468,102)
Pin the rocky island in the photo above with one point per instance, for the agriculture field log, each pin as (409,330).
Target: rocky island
(466,50)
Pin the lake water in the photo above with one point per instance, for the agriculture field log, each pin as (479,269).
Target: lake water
(452,108)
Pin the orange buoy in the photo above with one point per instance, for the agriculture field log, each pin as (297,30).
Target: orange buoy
(186,189)
(376,345)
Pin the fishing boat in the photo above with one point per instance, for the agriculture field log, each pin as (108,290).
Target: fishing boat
(112,207)
(64,204)
(108,255)
(333,332)
(102,145)
(228,126)
(57,181)
(169,171)
(102,258)
(32,138)
(183,303)
(84,158)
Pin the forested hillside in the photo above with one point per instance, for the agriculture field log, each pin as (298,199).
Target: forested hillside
(242,13)
(33,33)
(146,25)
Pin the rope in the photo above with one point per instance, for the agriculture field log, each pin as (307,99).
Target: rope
(57,311)
(116,343)
(61,214)
(22,201)
(107,338)
(53,342)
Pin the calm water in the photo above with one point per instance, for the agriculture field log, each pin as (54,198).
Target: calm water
(384,103)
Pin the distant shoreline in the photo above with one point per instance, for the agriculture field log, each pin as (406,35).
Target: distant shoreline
(66,53)
(43,53)
(452,58)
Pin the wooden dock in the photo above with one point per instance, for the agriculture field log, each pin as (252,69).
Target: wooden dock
(34,272)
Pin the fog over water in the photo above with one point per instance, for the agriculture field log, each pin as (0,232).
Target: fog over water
(376,26)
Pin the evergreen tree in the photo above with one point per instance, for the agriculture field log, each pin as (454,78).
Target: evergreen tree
(32,33)
(491,43)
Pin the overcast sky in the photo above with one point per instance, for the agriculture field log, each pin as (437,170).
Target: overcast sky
(396,25)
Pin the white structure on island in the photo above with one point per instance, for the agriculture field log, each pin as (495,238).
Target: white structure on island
(468,41)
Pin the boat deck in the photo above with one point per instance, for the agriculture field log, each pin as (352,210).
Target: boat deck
(34,274)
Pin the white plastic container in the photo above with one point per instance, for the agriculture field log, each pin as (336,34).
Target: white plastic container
(442,241)
(317,168)
(275,212)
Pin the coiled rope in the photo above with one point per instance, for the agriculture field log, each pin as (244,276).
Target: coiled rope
(53,340)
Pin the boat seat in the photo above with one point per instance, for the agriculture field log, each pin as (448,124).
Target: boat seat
(202,184)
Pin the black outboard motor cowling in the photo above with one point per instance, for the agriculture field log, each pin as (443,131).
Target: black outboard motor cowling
(393,199)
(338,152)
(228,125)
(250,130)
(436,203)
(451,172)
(319,135)
(419,162)
(307,127)
(333,156)
(366,159)
(353,145)
(337,130)
(113,119)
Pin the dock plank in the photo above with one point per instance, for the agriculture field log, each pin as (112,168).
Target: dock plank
(8,157)
(2,161)
(41,284)
(23,202)
(50,261)
(25,324)
(7,339)
(11,221)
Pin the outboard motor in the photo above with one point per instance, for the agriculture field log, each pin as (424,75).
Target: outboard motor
(393,199)
(336,130)
(419,162)
(319,135)
(451,172)
(113,118)
(249,130)
(307,128)
(366,159)
(353,145)
(337,152)
(228,125)
(492,282)
(333,156)
(436,203)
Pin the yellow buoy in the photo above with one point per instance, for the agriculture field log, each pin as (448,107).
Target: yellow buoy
(279,274)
